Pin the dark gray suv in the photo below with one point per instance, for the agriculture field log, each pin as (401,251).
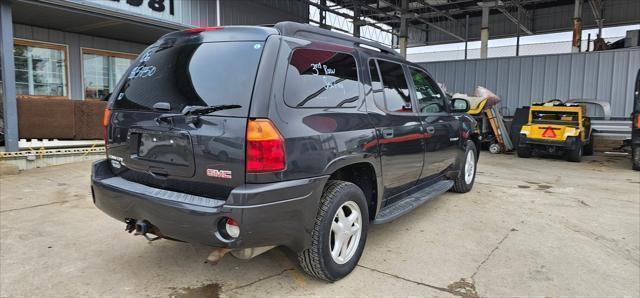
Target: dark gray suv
(246,138)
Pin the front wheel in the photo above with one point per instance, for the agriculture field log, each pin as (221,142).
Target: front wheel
(339,233)
(467,175)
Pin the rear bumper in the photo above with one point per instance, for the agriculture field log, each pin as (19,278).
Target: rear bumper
(534,143)
(279,213)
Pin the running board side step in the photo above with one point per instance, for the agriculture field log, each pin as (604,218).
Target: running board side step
(404,206)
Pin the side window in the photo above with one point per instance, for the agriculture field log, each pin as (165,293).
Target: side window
(430,100)
(376,84)
(395,87)
(321,79)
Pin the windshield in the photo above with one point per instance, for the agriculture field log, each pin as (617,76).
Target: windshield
(205,74)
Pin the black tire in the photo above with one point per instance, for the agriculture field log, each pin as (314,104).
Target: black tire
(575,155)
(460,184)
(523,152)
(317,260)
(635,157)
(588,148)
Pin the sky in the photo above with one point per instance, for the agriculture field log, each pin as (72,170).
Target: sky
(619,31)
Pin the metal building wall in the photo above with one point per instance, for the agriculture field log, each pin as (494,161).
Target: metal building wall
(608,76)
(74,43)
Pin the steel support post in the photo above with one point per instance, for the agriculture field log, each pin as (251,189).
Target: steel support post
(9,105)
(484,33)
(576,41)
(403,29)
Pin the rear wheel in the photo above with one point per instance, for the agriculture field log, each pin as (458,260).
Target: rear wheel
(524,152)
(339,234)
(635,157)
(588,148)
(575,155)
(467,175)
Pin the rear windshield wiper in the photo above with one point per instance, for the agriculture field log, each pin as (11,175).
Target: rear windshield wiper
(197,111)
(202,110)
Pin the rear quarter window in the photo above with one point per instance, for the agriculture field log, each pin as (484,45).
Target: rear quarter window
(321,79)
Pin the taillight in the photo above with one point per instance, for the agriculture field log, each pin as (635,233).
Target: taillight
(105,119)
(638,121)
(105,123)
(265,147)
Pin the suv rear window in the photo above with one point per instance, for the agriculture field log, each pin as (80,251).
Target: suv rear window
(321,79)
(202,74)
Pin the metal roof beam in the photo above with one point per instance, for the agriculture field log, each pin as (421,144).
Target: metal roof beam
(499,5)
(346,16)
(429,23)
(440,28)
(514,20)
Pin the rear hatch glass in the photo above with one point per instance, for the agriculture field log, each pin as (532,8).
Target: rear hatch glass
(203,154)
(203,74)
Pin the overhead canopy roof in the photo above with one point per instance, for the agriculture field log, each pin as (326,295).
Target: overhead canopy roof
(444,21)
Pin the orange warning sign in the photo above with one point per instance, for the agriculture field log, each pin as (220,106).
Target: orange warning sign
(549,133)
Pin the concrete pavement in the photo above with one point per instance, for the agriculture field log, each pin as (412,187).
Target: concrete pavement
(529,227)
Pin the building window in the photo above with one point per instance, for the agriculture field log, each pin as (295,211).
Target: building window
(41,69)
(102,70)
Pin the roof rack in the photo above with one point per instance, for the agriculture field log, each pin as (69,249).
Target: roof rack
(294,29)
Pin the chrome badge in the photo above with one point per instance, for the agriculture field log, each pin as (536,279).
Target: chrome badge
(224,174)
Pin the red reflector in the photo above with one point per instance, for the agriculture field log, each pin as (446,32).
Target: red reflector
(549,133)
(265,147)
(201,29)
(232,222)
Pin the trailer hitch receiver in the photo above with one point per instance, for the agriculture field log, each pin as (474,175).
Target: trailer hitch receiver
(140,227)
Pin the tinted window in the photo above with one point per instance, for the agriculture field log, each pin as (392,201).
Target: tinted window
(317,79)
(192,75)
(396,90)
(430,100)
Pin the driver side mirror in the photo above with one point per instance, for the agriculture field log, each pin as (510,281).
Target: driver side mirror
(460,105)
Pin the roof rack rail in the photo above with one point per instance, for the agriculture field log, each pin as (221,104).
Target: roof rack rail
(294,29)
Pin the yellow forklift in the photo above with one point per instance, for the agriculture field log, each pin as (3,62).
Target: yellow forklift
(558,128)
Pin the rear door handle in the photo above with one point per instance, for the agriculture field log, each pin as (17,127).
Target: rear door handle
(387,133)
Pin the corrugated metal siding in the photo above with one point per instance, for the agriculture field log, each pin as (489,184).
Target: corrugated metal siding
(74,42)
(608,76)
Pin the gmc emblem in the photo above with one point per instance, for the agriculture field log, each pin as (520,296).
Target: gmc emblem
(224,174)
